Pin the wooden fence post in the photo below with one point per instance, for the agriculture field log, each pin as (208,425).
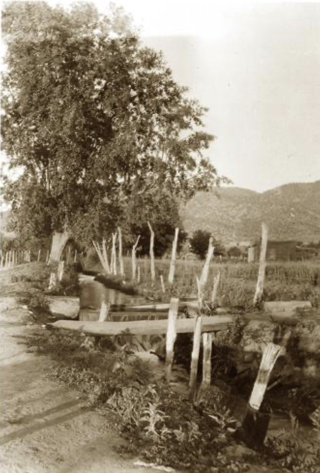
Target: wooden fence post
(162,284)
(114,255)
(205,270)
(262,266)
(255,424)
(195,357)
(133,256)
(196,345)
(171,335)
(102,253)
(104,312)
(121,268)
(60,270)
(152,266)
(39,255)
(216,281)
(53,281)
(173,257)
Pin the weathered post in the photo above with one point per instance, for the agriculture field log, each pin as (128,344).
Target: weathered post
(121,268)
(133,256)
(171,335)
(48,257)
(53,281)
(196,346)
(205,270)
(216,281)
(139,274)
(152,266)
(60,270)
(39,255)
(262,266)
(75,256)
(102,254)
(255,424)
(206,364)
(104,312)
(114,255)
(162,284)
(173,257)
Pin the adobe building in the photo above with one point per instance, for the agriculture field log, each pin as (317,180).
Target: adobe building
(276,251)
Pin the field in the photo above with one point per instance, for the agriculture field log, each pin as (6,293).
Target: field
(285,281)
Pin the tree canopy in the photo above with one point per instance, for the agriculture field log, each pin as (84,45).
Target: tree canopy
(96,122)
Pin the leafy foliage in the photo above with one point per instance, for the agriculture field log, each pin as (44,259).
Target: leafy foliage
(94,121)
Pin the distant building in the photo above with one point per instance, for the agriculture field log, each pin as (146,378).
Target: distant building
(276,250)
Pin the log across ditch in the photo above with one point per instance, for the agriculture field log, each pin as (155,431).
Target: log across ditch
(159,327)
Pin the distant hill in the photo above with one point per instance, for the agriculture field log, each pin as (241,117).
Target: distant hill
(232,214)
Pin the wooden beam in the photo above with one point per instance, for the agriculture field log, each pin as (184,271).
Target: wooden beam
(143,327)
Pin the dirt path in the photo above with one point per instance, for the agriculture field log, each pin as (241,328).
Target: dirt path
(45,427)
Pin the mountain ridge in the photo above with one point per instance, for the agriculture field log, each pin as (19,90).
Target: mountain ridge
(235,214)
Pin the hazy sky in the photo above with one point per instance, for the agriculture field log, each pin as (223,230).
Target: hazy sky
(256,66)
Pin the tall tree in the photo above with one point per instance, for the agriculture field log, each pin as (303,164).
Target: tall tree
(94,120)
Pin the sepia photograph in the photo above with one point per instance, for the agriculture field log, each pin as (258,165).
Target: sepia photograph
(160,236)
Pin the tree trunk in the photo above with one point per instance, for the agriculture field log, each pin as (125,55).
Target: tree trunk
(59,241)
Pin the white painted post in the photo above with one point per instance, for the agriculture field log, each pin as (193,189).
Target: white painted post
(120,252)
(171,335)
(173,257)
(152,266)
(262,266)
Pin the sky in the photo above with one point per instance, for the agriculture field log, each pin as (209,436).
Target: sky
(256,67)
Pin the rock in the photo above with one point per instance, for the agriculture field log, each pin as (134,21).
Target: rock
(239,452)
(67,306)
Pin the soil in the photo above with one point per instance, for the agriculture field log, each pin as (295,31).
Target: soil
(46,427)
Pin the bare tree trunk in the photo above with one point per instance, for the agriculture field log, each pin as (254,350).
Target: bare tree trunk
(173,257)
(262,266)
(171,335)
(205,270)
(120,252)
(134,265)
(152,266)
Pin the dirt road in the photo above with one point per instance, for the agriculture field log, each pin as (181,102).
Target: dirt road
(45,427)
